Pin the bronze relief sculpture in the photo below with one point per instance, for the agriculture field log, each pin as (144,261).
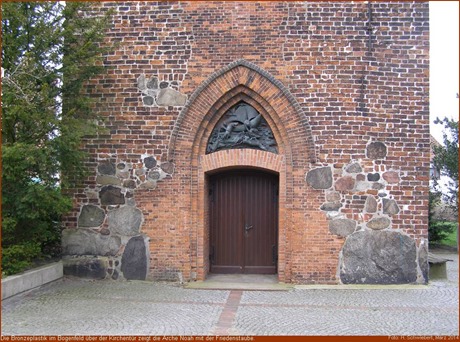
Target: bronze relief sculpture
(242,126)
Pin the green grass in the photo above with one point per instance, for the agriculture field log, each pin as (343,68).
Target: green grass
(451,239)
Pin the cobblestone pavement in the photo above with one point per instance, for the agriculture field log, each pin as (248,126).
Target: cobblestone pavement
(81,307)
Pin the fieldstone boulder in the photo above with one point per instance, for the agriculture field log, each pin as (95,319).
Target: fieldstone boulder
(378,186)
(134,262)
(379,223)
(345,183)
(130,184)
(390,206)
(106,168)
(108,180)
(391,177)
(378,257)
(360,177)
(86,267)
(152,83)
(331,206)
(87,242)
(376,150)
(154,175)
(373,177)
(150,162)
(320,178)
(363,186)
(170,97)
(423,261)
(370,206)
(354,168)
(342,227)
(167,167)
(150,184)
(142,82)
(333,196)
(148,100)
(91,216)
(111,195)
(125,221)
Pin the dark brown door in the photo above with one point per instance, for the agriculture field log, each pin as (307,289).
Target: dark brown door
(243,217)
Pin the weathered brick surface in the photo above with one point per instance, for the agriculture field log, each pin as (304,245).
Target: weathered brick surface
(326,89)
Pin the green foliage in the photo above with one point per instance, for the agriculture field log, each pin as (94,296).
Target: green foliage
(49,52)
(438,228)
(446,159)
(17,258)
(451,239)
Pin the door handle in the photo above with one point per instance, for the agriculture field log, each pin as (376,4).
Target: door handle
(247,228)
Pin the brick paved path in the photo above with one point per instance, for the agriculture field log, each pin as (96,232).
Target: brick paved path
(74,306)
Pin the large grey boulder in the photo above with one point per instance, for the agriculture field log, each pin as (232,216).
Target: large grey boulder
(111,195)
(342,227)
(320,178)
(390,206)
(86,267)
(370,206)
(87,242)
(376,150)
(125,221)
(134,262)
(423,261)
(91,216)
(378,257)
(378,223)
(170,97)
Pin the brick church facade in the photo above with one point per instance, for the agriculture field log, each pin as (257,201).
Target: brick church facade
(288,138)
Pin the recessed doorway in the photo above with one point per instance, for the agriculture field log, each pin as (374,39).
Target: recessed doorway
(244,222)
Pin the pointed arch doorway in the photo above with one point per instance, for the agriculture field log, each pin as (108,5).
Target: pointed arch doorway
(244,222)
(240,81)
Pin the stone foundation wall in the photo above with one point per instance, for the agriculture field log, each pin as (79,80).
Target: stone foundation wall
(344,88)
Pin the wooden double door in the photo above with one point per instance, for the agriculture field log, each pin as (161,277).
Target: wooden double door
(244,222)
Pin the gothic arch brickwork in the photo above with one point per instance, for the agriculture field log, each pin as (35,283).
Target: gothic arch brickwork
(348,107)
(242,81)
(230,84)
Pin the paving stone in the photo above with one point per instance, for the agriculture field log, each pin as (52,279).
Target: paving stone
(69,307)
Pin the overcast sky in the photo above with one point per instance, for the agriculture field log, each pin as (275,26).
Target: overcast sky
(444,61)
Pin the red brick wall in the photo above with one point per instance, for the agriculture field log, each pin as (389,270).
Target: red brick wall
(324,90)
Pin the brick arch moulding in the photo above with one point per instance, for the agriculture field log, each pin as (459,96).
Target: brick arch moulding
(242,80)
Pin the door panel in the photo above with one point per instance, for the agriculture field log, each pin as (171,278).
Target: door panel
(227,222)
(244,216)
